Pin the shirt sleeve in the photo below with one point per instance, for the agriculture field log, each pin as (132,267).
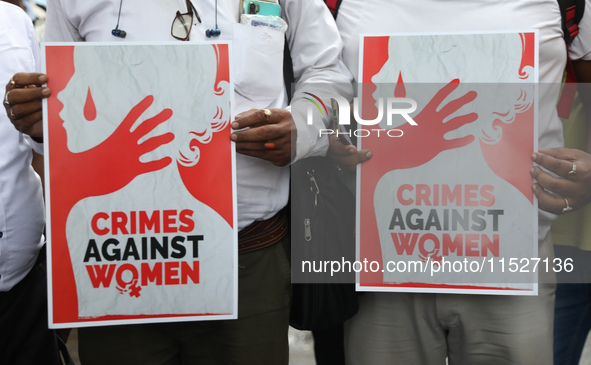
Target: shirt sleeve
(58,27)
(315,46)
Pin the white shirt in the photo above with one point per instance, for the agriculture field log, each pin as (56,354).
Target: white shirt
(263,188)
(385,16)
(21,199)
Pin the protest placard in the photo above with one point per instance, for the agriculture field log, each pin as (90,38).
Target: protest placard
(445,203)
(140,183)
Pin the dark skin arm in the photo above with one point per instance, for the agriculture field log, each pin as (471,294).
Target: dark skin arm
(276,131)
(25,94)
(18,3)
(575,188)
(346,157)
(39,168)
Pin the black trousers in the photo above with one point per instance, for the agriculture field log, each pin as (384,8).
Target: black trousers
(24,336)
(329,346)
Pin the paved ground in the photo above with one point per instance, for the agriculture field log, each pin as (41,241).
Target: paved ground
(586,357)
(301,348)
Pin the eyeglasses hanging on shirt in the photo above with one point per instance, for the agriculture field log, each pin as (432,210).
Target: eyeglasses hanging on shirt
(182,23)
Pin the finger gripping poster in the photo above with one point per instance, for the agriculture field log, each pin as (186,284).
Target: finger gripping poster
(140,183)
(445,203)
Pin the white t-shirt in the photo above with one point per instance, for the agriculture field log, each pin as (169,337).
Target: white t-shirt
(356,17)
(263,188)
(21,199)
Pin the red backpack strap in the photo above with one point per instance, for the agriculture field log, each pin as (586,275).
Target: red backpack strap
(572,13)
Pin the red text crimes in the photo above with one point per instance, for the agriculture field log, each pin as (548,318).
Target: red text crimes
(165,221)
(469,195)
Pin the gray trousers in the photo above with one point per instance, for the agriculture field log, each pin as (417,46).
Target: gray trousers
(408,328)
